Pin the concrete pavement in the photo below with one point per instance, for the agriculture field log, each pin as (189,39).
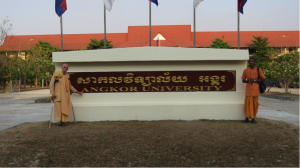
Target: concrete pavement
(19,107)
(281,110)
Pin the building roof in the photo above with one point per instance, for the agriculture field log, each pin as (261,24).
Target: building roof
(138,36)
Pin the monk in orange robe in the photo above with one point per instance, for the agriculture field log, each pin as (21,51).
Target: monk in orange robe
(60,87)
(250,76)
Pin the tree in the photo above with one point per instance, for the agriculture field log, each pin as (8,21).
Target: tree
(47,68)
(5,29)
(262,51)
(284,69)
(95,44)
(40,55)
(11,65)
(219,43)
(8,66)
(30,78)
(24,66)
(3,67)
(45,48)
(36,59)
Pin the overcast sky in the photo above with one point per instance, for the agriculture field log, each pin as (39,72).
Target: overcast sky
(33,17)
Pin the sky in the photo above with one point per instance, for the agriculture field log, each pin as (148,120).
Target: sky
(38,17)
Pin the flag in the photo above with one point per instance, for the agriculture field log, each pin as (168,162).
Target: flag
(157,41)
(154,1)
(60,7)
(108,4)
(241,4)
(196,3)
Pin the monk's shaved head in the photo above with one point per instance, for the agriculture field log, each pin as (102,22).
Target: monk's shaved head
(64,64)
(64,68)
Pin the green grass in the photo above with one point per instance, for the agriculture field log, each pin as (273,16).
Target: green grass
(282,94)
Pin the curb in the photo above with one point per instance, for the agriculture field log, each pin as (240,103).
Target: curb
(264,95)
(42,101)
(281,97)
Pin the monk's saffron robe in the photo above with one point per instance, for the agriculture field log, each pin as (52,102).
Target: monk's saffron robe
(61,89)
(252,91)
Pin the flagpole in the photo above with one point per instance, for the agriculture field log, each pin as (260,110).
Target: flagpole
(194,26)
(61,33)
(104,27)
(238,43)
(149,23)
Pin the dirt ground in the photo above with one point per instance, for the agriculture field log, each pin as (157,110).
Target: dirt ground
(198,143)
(20,107)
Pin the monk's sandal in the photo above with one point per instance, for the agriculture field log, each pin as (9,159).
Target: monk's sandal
(245,121)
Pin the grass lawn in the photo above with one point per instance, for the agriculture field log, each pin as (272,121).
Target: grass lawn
(282,94)
(26,89)
(200,143)
(44,100)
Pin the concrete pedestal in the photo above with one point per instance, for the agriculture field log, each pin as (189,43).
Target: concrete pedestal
(218,105)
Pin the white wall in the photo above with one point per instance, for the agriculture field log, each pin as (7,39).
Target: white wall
(227,105)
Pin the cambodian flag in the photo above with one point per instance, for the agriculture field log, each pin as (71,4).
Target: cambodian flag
(241,4)
(60,7)
(154,1)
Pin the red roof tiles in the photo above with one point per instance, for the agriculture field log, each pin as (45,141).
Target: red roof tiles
(138,36)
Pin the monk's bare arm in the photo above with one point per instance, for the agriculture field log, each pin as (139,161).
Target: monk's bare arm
(260,80)
(253,81)
(74,90)
(245,81)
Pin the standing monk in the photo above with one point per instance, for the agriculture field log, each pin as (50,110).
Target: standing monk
(60,87)
(250,76)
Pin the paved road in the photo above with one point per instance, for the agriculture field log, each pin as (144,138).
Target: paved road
(19,107)
(275,109)
(282,110)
